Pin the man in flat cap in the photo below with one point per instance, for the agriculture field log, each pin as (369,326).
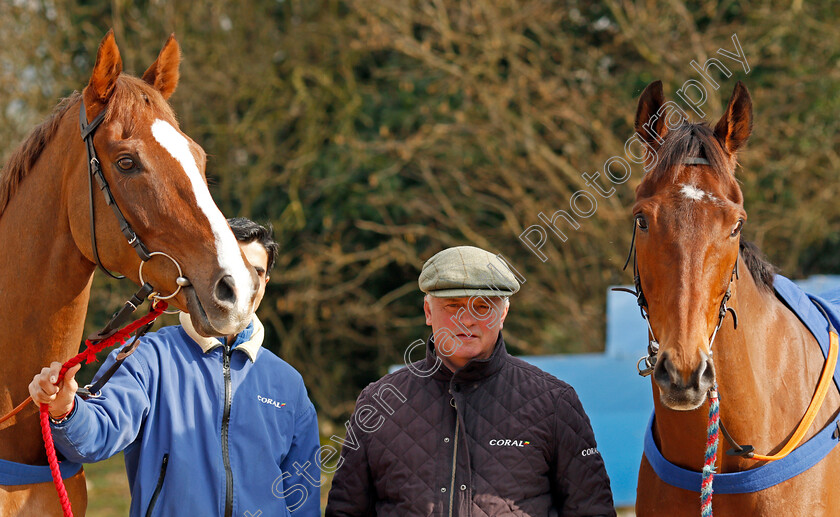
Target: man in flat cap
(469,430)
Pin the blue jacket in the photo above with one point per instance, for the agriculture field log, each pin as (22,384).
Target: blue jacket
(165,408)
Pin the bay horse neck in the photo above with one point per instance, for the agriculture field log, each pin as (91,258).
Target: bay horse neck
(45,285)
(766,371)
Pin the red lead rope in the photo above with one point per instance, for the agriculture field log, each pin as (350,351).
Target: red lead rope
(89,356)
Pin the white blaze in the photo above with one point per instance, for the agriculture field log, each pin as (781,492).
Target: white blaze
(692,192)
(227,249)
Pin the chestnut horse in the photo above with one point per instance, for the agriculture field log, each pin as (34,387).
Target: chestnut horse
(47,260)
(688,212)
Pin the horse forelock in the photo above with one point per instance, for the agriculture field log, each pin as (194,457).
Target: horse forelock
(133,97)
(691,140)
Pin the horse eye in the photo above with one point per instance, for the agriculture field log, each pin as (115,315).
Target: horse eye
(641,222)
(737,229)
(125,163)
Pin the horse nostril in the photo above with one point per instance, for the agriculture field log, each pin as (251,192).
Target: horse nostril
(707,377)
(225,291)
(668,377)
(662,372)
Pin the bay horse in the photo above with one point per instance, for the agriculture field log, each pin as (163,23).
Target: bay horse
(47,258)
(688,215)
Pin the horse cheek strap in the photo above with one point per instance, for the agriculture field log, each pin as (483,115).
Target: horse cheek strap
(95,172)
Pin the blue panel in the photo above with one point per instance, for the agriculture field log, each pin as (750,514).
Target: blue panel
(626,330)
(618,403)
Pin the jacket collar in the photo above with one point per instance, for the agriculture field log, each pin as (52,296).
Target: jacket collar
(251,345)
(474,370)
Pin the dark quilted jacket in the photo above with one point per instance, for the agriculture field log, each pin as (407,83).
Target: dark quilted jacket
(521,443)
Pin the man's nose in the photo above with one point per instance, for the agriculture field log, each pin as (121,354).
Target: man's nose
(466,317)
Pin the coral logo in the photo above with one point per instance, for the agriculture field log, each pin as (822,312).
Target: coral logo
(589,452)
(509,443)
(270,402)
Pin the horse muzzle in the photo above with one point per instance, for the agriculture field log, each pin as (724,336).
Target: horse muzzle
(683,391)
(220,315)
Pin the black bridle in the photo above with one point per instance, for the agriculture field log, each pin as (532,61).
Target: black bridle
(95,172)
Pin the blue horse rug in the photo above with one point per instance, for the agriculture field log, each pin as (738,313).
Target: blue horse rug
(803,457)
(12,474)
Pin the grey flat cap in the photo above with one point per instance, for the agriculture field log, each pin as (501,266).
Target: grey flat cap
(466,271)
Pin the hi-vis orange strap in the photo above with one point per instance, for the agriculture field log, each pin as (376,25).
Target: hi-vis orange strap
(813,408)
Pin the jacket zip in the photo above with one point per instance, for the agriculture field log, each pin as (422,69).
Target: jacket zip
(159,485)
(454,460)
(225,425)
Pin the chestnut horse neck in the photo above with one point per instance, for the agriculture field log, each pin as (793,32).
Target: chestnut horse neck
(44,299)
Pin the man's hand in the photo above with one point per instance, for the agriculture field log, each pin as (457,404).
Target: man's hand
(60,398)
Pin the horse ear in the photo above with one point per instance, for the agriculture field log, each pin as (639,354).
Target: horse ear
(163,74)
(105,72)
(649,125)
(735,126)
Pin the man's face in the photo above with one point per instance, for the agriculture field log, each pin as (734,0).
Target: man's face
(474,322)
(257,256)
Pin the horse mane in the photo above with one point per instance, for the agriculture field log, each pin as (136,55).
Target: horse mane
(759,267)
(130,96)
(691,140)
(27,153)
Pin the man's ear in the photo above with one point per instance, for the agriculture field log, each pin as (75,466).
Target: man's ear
(427,309)
(503,316)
